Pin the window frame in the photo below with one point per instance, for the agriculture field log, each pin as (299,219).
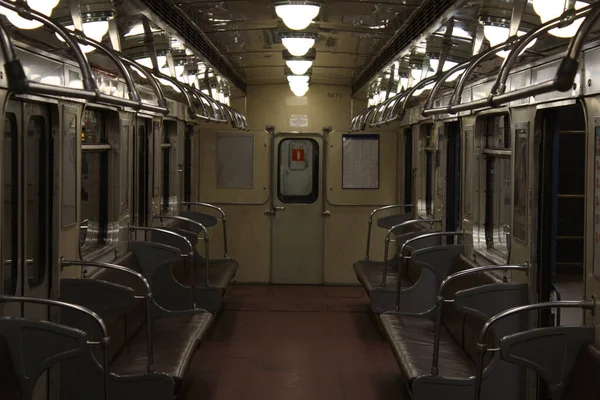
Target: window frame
(101,241)
(427,166)
(168,137)
(494,186)
(313,196)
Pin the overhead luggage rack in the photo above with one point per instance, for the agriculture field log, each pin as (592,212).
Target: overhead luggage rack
(562,81)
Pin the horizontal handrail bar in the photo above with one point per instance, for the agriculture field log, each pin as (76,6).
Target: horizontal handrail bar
(482,346)
(440,302)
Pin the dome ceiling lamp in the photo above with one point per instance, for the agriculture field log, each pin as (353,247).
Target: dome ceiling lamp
(298,44)
(496,31)
(299,84)
(297,14)
(551,9)
(95,26)
(42,6)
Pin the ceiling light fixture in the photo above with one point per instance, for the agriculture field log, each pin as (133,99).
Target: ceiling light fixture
(299,67)
(299,91)
(297,79)
(496,32)
(297,15)
(298,46)
(42,6)
(550,9)
(95,26)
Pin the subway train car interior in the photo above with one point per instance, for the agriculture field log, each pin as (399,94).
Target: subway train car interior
(300,199)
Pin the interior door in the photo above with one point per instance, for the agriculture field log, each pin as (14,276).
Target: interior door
(297,227)
(26,220)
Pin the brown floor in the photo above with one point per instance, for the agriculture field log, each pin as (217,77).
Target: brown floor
(294,343)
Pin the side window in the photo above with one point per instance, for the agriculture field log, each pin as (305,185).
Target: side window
(94,181)
(495,186)
(38,178)
(9,218)
(187,164)
(427,165)
(408,166)
(167,157)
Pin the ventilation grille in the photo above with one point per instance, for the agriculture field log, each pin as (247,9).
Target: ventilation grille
(191,34)
(418,22)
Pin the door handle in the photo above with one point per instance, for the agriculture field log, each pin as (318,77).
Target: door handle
(273,211)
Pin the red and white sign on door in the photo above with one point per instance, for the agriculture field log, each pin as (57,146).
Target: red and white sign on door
(297,154)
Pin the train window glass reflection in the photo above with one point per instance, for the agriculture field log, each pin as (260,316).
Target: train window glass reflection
(37,199)
(94,181)
(498,176)
(9,216)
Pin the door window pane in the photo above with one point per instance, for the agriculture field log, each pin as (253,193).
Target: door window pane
(37,200)
(298,172)
(94,182)
(9,216)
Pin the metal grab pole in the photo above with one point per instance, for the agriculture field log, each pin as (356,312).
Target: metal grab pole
(440,301)
(150,345)
(103,342)
(482,346)
(499,86)
(393,230)
(375,211)
(428,109)
(405,259)
(25,11)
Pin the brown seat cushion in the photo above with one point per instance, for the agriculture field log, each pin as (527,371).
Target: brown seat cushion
(412,341)
(220,273)
(175,341)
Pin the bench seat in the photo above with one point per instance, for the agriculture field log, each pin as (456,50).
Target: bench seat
(412,340)
(220,273)
(110,293)
(175,341)
(369,274)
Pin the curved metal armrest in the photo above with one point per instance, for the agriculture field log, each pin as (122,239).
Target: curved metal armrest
(440,301)
(428,235)
(393,229)
(223,219)
(104,340)
(482,346)
(69,263)
(206,249)
(185,219)
(375,211)
(163,230)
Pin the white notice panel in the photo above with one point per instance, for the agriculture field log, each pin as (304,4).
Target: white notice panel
(360,162)
(299,121)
